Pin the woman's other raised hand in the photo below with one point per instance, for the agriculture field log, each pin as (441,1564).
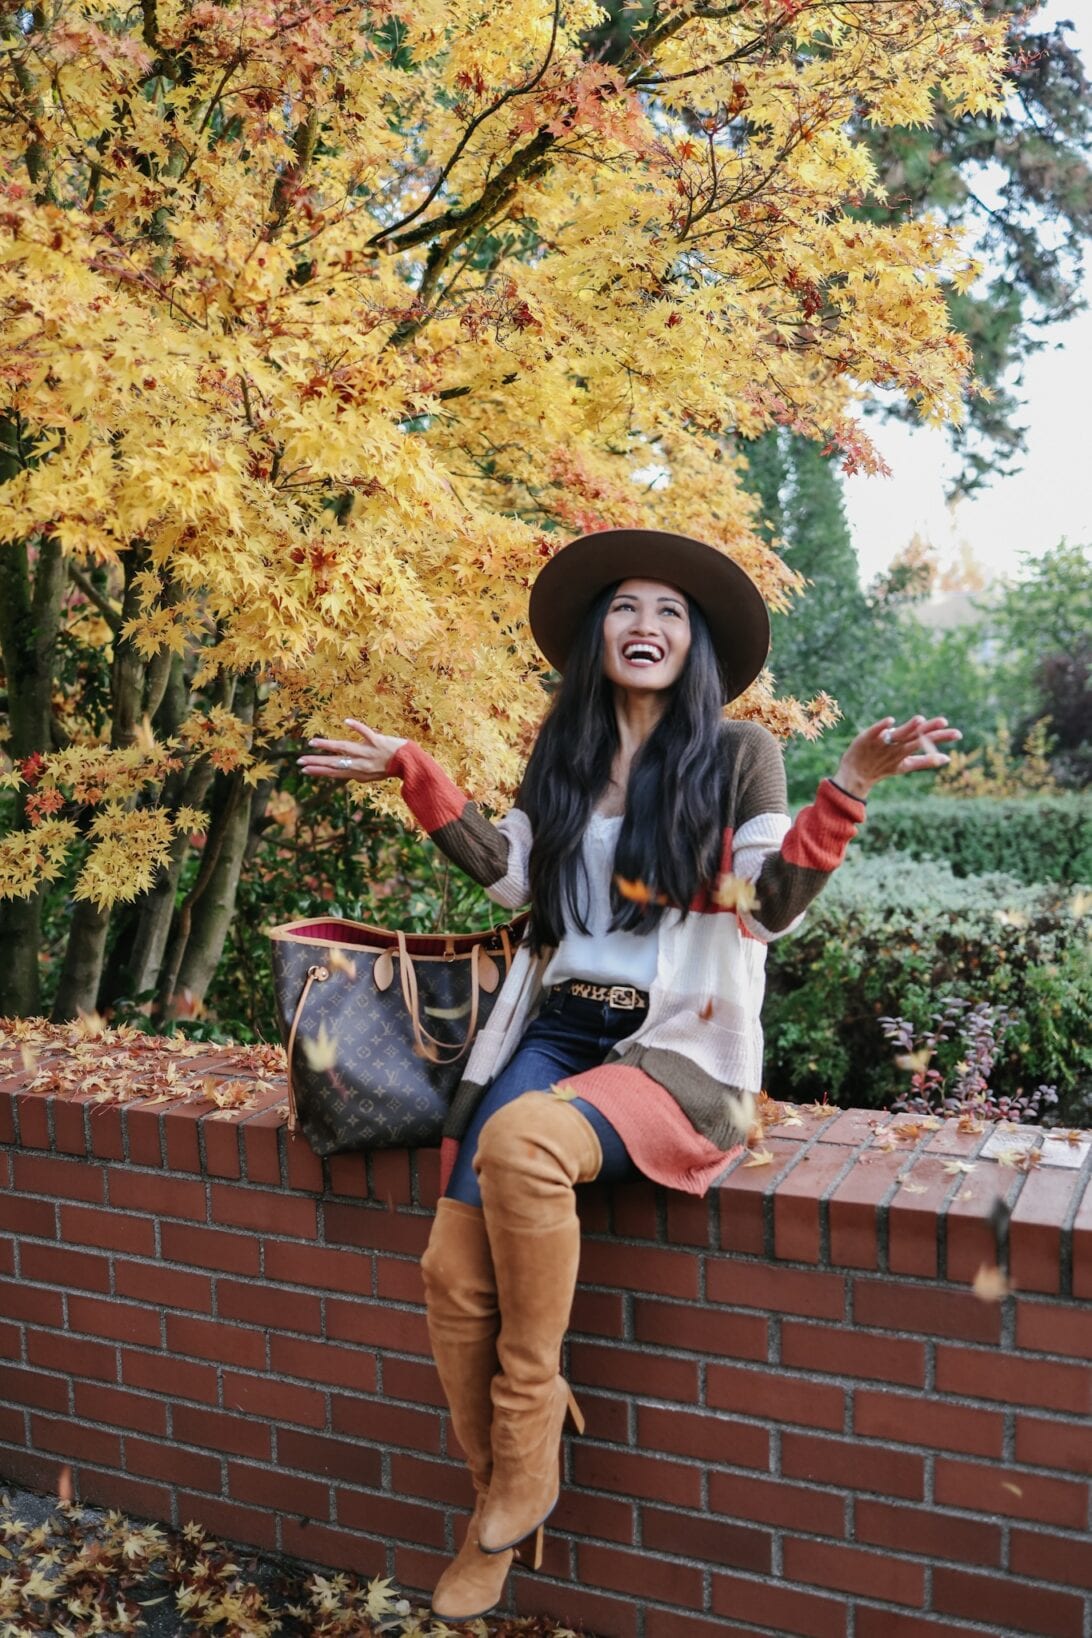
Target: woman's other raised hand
(888,748)
(366,757)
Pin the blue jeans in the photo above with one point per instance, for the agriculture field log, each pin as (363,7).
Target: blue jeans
(566,1037)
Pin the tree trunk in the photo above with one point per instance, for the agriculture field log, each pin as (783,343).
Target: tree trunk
(30,617)
(200,928)
(213,911)
(136,961)
(85,952)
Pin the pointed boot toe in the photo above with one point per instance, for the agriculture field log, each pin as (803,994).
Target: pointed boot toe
(473,1582)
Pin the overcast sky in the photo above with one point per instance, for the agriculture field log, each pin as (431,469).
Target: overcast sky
(1050,497)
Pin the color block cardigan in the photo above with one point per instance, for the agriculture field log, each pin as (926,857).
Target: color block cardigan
(700,1040)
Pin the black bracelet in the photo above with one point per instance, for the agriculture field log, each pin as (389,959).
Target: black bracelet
(863,800)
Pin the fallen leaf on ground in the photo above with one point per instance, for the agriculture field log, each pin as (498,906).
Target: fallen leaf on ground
(954,1166)
(759,1157)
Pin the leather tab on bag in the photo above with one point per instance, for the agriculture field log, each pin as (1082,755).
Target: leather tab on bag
(383,971)
(488,972)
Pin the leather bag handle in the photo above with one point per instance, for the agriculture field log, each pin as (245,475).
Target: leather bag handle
(317,974)
(437,1052)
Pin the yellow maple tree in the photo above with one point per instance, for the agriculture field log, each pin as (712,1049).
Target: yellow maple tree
(324,324)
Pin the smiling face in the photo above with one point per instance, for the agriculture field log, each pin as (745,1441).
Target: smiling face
(646,635)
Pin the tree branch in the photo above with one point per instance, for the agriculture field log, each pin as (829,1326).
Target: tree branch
(476,122)
(110,614)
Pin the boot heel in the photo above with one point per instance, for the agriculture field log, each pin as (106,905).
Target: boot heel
(574,1410)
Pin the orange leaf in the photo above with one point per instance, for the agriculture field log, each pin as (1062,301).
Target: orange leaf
(991,1284)
(760,1157)
(638,892)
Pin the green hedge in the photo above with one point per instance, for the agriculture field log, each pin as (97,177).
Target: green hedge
(1034,838)
(893,935)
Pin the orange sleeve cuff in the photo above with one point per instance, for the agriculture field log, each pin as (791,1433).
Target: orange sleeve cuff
(432,798)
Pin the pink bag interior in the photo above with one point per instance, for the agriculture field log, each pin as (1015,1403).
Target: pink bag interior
(376,938)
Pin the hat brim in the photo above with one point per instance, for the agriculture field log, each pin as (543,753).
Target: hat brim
(732,604)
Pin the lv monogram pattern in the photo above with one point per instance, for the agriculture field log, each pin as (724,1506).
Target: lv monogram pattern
(358,1081)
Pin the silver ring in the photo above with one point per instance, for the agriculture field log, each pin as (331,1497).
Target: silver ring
(888,736)
(345,761)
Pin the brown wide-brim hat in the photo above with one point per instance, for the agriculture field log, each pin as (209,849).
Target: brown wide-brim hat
(732,604)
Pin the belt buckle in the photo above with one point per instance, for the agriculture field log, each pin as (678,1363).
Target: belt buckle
(623,996)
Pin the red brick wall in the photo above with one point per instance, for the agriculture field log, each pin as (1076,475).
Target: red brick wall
(800,1418)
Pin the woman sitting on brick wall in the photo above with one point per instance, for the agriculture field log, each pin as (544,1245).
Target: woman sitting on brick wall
(652,839)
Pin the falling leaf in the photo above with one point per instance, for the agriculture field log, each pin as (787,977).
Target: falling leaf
(29,1059)
(760,1157)
(564,1091)
(450,1013)
(991,1284)
(734,893)
(65,1492)
(90,1024)
(914,1188)
(1011,918)
(339,962)
(1007,1484)
(916,1062)
(707,1011)
(144,737)
(1081,902)
(321,1050)
(638,892)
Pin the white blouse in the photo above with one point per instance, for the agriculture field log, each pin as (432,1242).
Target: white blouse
(600,956)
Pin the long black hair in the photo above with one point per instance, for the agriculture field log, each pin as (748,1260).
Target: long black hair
(670,838)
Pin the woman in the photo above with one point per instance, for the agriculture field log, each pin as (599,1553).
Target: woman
(652,839)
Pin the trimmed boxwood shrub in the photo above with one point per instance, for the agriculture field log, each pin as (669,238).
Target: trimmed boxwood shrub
(893,935)
(1034,838)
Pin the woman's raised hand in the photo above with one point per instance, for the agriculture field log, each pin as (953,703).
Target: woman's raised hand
(365,757)
(893,748)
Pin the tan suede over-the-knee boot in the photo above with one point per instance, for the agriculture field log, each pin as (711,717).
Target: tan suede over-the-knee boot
(530,1155)
(461,1301)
